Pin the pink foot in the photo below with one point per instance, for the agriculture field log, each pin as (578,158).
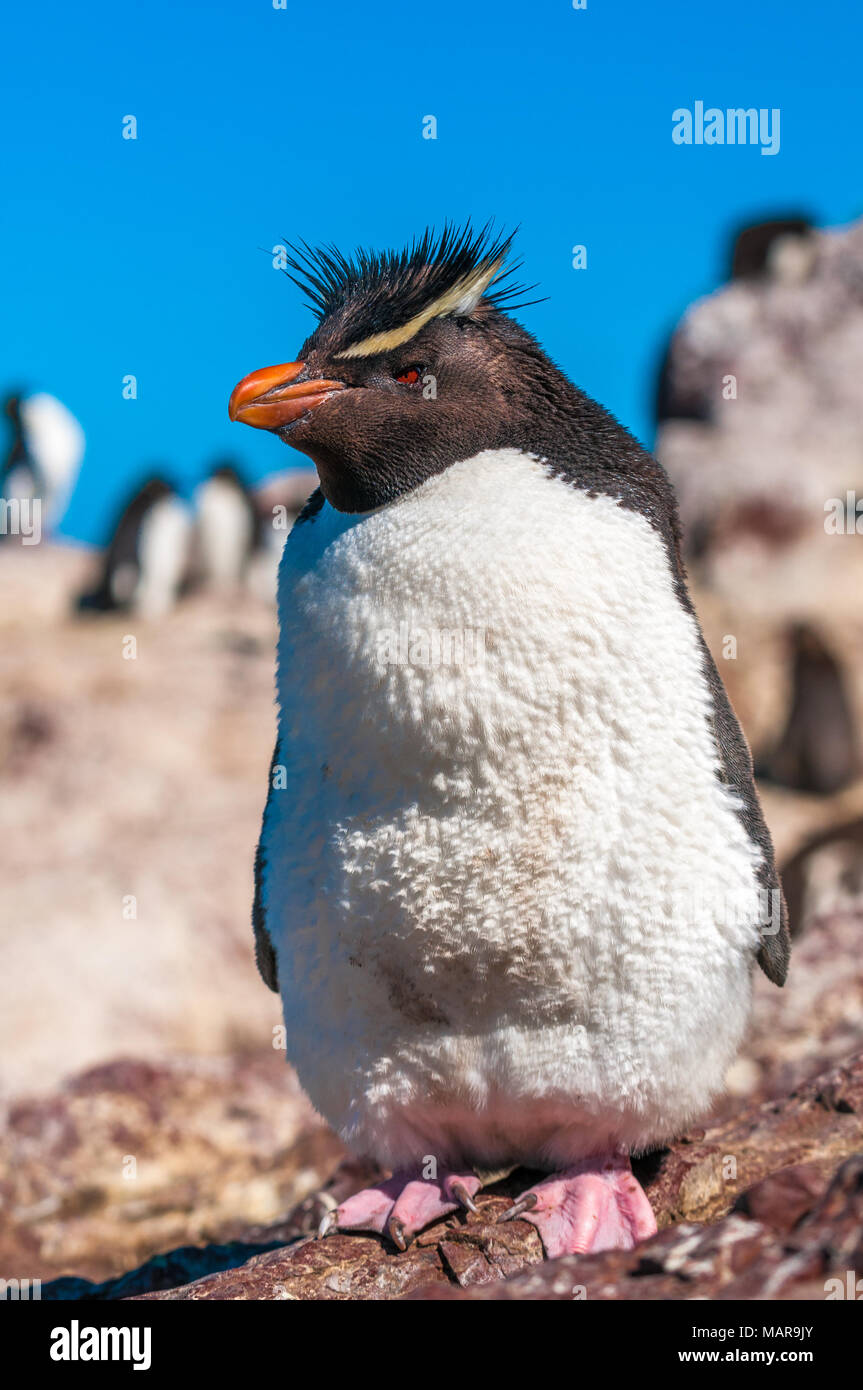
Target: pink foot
(403,1205)
(595,1205)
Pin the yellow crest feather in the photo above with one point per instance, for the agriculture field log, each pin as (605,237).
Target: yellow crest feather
(461,299)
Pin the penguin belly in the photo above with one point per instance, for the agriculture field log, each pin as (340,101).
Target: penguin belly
(512,904)
(225,534)
(163,557)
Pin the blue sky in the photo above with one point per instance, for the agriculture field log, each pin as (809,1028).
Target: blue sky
(256,124)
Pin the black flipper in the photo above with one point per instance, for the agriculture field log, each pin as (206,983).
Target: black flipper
(265,956)
(774,953)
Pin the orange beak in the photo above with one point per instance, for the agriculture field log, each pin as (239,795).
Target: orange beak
(267,400)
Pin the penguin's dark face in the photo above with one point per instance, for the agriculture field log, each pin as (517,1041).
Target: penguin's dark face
(411,368)
(379,425)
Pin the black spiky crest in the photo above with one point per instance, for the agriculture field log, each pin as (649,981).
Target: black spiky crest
(375,292)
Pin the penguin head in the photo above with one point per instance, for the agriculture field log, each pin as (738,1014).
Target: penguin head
(413,366)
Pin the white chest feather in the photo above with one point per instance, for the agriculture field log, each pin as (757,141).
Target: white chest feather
(163,554)
(225,533)
(499,873)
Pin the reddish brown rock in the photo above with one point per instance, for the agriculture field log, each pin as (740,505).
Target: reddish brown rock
(130,1158)
(768,1203)
(815,1021)
(735,1259)
(784,1198)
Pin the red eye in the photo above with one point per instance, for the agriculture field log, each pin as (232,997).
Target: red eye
(410,377)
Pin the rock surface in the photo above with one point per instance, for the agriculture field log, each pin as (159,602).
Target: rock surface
(738,1258)
(813,1022)
(779,1186)
(131,802)
(129,1158)
(761,432)
(763,423)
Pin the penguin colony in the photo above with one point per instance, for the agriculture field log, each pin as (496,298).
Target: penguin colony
(160,547)
(512,903)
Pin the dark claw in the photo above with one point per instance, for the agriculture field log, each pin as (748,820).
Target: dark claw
(463,1197)
(525,1203)
(396,1233)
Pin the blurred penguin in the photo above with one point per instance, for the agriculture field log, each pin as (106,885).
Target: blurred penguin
(147,561)
(44,455)
(782,249)
(818,750)
(278,502)
(825,876)
(226,529)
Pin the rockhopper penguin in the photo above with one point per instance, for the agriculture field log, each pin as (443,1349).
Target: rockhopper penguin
(513,875)
(44,455)
(146,563)
(226,529)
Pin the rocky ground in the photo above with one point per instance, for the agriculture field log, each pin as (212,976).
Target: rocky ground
(132,792)
(787,1222)
(767,1203)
